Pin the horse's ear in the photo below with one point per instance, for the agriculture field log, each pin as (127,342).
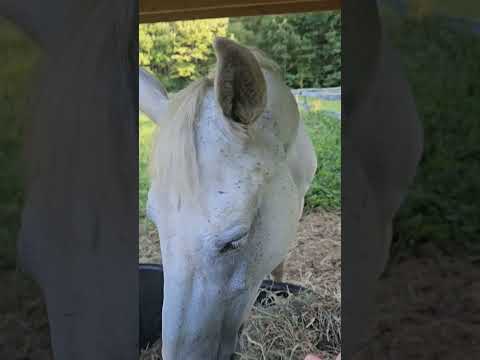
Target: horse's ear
(153,98)
(240,86)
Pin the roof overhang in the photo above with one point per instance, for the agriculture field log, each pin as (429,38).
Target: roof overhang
(171,10)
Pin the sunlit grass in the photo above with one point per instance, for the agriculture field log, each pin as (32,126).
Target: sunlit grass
(321,105)
(325,132)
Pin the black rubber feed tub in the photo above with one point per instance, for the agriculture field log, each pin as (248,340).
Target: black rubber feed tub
(151,299)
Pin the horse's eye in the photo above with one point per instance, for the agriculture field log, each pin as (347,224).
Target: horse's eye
(234,244)
(230,246)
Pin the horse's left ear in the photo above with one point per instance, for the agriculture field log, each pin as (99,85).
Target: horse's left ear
(240,86)
(152,96)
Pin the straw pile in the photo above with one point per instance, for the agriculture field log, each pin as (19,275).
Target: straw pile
(290,329)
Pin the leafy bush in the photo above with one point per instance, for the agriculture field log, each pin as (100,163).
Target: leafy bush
(306,46)
(179,52)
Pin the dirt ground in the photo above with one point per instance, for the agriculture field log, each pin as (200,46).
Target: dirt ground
(429,308)
(24,332)
(314,260)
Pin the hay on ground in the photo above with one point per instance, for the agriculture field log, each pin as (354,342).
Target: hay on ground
(290,329)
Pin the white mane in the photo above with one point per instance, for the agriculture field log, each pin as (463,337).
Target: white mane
(174,157)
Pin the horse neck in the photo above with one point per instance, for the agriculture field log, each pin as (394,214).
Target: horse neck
(362,36)
(51,22)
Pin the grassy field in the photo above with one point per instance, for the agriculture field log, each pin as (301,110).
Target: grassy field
(321,105)
(441,208)
(325,133)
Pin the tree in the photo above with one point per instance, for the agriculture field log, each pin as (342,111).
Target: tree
(306,46)
(179,52)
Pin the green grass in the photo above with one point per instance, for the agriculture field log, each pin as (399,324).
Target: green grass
(325,134)
(442,206)
(321,105)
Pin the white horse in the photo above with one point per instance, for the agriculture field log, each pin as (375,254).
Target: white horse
(230,168)
(382,142)
(82,174)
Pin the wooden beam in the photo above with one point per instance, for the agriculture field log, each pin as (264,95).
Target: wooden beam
(170,10)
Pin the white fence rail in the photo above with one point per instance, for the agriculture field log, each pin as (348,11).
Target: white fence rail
(329,94)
